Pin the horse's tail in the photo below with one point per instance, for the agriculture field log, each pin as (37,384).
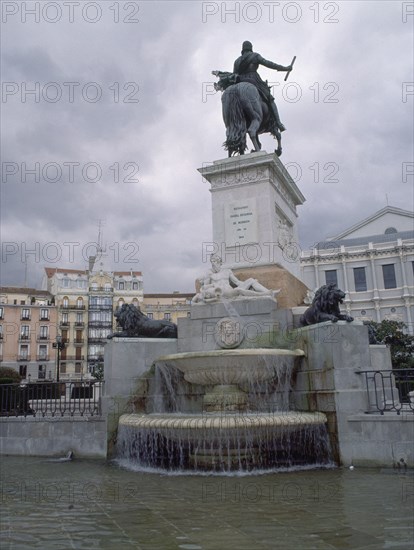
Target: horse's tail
(234,120)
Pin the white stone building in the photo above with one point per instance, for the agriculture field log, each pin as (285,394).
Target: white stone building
(373,263)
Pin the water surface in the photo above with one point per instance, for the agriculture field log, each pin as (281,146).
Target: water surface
(92,504)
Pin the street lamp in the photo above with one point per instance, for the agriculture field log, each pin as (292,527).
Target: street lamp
(59,345)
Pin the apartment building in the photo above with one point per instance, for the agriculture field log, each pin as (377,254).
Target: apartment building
(28,328)
(373,263)
(167,306)
(86,301)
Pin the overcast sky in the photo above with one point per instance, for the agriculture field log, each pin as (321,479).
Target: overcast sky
(123,95)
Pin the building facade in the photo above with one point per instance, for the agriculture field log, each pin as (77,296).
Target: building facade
(86,301)
(28,328)
(167,306)
(373,263)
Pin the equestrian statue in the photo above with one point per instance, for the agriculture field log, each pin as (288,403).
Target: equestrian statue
(247,102)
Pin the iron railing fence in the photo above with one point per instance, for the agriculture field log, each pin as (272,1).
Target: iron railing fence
(389,390)
(52,399)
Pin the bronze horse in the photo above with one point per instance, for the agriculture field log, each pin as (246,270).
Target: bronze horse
(244,112)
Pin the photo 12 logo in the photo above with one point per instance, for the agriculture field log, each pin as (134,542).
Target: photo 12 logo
(69,12)
(68,172)
(269,12)
(69,92)
(69,251)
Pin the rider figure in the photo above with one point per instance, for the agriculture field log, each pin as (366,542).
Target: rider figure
(245,67)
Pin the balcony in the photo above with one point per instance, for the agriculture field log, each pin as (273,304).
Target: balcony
(100,307)
(1,336)
(103,324)
(73,358)
(166,307)
(79,341)
(93,358)
(101,289)
(42,357)
(24,357)
(79,307)
(44,318)
(43,338)
(64,324)
(79,324)
(25,318)
(24,337)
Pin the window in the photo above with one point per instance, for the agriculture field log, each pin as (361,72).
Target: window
(360,279)
(66,282)
(134,285)
(150,315)
(390,230)
(388,272)
(24,352)
(1,332)
(1,313)
(43,353)
(44,314)
(62,368)
(44,332)
(78,368)
(108,286)
(121,285)
(24,332)
(331,277)
(41,372)
(79,318)
(23,370)
(66,302)
(65,319)
(79,303)
(25,314)
(167,316)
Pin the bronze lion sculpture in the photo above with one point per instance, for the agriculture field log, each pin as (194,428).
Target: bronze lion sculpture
(136,324)
(325,307)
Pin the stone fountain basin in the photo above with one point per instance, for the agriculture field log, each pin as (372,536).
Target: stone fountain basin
(235,366)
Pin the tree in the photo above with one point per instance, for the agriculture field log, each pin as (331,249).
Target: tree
(98,371)
(9,375)
(393,333)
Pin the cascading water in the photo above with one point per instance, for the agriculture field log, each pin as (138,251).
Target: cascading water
(237,417)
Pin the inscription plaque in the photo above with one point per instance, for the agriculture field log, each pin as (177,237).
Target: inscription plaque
(241,222)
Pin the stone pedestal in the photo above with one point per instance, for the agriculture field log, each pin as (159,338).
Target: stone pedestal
(329,380)
(254,202)
(244,323)
(292,290)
